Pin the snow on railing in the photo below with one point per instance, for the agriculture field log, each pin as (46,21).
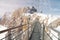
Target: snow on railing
(3,34)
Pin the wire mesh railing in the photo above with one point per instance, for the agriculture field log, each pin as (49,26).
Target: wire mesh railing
(50,35)
(15,34)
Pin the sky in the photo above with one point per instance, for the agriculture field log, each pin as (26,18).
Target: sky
(48,6)
(55,6)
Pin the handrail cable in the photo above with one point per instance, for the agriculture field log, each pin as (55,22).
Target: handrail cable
(14,32)
(53,35)
(11,28)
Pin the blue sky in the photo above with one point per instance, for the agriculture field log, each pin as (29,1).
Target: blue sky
(48,7)
(55,3)
(55,6)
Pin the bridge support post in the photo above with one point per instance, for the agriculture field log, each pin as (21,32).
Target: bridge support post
(59,36)
(9,35)
(43,29)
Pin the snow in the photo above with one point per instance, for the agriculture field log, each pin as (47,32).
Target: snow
(53,33)
(51,19)
(58,28)
(57,34)
(43,16)
(2,35)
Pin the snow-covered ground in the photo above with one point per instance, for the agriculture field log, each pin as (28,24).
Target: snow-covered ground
(2,35)
(42,16)
(53,34)
(58,28)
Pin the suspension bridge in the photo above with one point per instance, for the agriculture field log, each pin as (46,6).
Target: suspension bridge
(31,26)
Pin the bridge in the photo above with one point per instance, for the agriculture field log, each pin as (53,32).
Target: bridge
(32,30)
(27,24)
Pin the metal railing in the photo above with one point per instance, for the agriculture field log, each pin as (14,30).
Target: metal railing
(13,34)
(52,35)
(47,36)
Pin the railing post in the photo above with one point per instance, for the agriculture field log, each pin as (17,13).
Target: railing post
(58,36)
(9,37)
(43,29)
(28,27)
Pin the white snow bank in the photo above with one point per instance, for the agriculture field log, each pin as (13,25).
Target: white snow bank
(43,16)
(2,35)
(51,19)
(58,28)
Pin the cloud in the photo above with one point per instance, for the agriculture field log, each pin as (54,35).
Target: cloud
(10,5)
(54,9)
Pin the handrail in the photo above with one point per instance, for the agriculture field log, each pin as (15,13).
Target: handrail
(51,37)
(22,32)
(11,28)
(52,34)
(55,36)
(18,34)
(54,30)
(48,35)
(14,32)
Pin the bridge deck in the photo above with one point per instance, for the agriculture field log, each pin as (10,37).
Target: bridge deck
(36,32)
